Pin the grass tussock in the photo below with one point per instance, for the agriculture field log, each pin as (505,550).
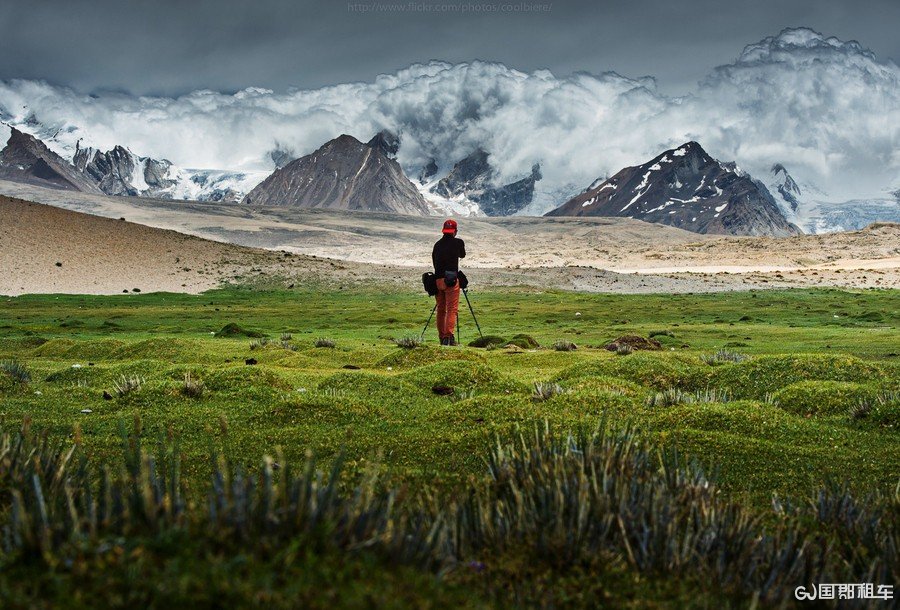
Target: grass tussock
(192,387)
(564,346)
(259,343)
(126,385)
(325,342)
(410,342)
(623,500)
(724,356)
(15,370)
(674,396)
(546,391)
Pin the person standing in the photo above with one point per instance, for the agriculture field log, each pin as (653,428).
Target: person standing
(445,257)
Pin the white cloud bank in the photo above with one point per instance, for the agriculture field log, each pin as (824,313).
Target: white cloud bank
(828,110)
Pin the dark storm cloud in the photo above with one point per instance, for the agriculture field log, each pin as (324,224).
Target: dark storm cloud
(172,47)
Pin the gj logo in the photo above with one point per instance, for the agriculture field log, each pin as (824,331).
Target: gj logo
(844,591)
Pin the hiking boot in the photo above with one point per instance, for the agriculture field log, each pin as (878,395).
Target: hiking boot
(451,340)
(445,341)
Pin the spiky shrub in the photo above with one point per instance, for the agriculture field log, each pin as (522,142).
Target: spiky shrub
(675,396)
(861,409)
(564,346)
(724,356)
(882,408)
(410,342)
(259,343)
(622,498)
(51,497)
(288,346)
(286,337)
(546,391)
(558,501)
(623,349)
(324,342)
(125,385)
(459,395)
(661,333)
(191,387)
(17,371)
(769,398)
(669,398)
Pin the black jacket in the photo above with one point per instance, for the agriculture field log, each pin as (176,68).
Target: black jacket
(446,254)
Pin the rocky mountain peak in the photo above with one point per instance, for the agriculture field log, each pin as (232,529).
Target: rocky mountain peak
(343,174)
(27,159)
(786,186)
(687,188)
(387,142)
(473,178)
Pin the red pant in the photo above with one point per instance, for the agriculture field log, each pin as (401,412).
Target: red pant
(447,308)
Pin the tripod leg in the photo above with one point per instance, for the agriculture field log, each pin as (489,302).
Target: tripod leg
(425,328)
(477,325)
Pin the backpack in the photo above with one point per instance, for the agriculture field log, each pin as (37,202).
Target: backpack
(429,282)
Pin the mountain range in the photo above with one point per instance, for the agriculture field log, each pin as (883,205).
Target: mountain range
(808,116)
(683,187)
(823,109)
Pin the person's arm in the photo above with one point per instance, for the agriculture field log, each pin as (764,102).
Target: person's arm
(434,262)
(462,248)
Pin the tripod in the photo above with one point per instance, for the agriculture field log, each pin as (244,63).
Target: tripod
(471,309)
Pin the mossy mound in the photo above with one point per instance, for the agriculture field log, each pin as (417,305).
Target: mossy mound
(233,330)
(54,348)
(869,316)
(747,419)
(367,386)
(96,349)
(462,375)
(605,385)
(420,356)
(589,406)
(490,411)
(487,340)
(10,344)
(767,374)
(103,376)
(164,349)
(9,386)
(655,371)
(241,378)
(292,360)
(823,397)
(891,379)
(882,415)
(635,342)
(524,341)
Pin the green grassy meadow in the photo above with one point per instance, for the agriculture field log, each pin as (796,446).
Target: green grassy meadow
(813,401)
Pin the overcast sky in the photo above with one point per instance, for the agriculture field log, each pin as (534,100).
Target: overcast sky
(173,46)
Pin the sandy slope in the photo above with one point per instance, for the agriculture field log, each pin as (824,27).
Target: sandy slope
(603,254)
(44,249)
